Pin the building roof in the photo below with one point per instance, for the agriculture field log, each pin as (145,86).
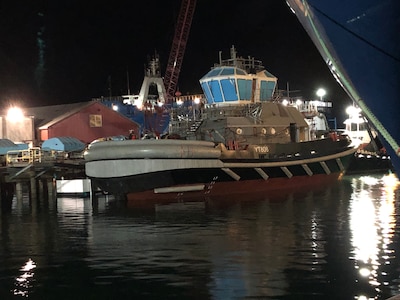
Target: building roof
(48,115)
(64,143)
(7,145)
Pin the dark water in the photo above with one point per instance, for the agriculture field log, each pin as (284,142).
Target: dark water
(341,242)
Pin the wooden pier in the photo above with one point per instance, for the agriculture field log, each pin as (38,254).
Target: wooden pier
(38,178)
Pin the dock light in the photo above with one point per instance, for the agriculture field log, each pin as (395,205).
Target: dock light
(15,114)
(353,111)
(321,93)
(195,104)
(179,102)
(285,102)
(115,107)
(138,103)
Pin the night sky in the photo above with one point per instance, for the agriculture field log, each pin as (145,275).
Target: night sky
(55,52)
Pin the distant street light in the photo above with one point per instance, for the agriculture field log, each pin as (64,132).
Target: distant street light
(15,114)
(321,93)
(195,103)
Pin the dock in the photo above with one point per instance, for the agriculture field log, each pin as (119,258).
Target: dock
(38,174)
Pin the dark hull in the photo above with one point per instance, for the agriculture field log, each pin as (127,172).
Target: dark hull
(369,164)
(209,182)
(275,189)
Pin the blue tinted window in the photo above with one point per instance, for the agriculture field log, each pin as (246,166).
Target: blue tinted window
(213,72)
(240,72)
(266,89)
(229,89)
(244,87)
(271,88)
(215,90)
(207,92)
(227,71)
(263,90)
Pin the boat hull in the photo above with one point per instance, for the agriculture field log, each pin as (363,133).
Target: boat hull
(362,163)
(166,178)
(275,189)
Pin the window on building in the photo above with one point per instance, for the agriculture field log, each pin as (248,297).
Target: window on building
(95,121)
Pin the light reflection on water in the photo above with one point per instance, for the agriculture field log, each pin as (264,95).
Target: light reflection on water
(337,243)
(373,226)
(25,281)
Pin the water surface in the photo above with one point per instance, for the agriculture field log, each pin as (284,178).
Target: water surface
(339,242)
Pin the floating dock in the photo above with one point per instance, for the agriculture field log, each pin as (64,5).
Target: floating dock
(74,187)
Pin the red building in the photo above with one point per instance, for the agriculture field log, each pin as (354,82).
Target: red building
(86,121)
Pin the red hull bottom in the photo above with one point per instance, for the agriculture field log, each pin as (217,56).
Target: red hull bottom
(271,189)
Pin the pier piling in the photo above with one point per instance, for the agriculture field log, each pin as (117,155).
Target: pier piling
(36,178)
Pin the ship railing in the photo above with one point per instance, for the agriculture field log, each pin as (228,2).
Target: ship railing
(184,127)
(250,110)
(188,122)
(248,64)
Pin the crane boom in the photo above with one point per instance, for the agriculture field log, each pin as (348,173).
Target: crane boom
(178,47)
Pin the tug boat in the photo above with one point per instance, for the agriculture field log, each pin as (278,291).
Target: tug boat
(239,139)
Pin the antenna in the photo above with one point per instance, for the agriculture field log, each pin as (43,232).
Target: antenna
(127,81)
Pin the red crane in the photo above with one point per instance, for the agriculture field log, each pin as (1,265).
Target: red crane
(178,47)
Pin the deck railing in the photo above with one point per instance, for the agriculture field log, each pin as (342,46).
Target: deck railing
(24,156)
